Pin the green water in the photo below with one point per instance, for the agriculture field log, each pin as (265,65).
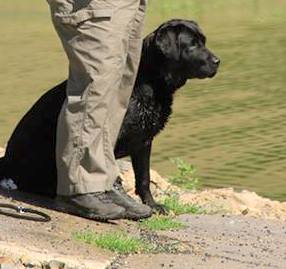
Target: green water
(231,127)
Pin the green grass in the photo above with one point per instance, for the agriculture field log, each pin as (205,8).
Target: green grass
(173,204)
(185,175)
(161,223)
(119,242)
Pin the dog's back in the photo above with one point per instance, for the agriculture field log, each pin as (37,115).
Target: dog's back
(24,160)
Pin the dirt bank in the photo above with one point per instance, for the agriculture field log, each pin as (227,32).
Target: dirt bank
(224,200)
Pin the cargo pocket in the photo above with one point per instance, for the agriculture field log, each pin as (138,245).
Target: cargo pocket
(80,16)
(138,24)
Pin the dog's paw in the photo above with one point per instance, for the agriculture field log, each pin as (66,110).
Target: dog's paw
(159,209)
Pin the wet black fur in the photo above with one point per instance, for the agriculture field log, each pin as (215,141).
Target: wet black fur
(171,55)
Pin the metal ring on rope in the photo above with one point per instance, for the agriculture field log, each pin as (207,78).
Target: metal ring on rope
(23,213)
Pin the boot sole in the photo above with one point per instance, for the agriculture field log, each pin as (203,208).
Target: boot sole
(68,208)
(138,217)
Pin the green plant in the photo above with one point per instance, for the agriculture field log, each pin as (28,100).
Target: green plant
(161,223)
(173,204)
(117,242)
(185,175)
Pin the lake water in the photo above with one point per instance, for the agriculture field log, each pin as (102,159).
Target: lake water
(230,127)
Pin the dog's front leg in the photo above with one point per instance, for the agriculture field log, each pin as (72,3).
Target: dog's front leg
(140,157)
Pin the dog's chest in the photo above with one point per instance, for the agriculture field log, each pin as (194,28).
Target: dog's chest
(146,116)
(152,117)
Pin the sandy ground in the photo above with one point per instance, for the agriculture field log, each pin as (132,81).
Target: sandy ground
(215,241)
(37,241)
(222,242)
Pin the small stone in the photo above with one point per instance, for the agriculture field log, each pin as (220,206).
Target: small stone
(54,264)
(245,211)
(29,263)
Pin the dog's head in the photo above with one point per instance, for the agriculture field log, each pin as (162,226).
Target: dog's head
(182,46)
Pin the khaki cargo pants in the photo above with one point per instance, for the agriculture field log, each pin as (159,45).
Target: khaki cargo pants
(103,40)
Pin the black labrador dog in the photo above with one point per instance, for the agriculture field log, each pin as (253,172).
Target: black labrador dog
(172,54)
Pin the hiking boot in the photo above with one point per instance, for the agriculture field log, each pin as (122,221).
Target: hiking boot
(97,206)
(134,210)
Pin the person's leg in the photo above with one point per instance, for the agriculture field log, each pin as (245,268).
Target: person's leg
(95,35)
(119,104)
(123,92)
(95,38)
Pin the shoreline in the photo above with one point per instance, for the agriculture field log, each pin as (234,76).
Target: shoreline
(225,201)
(220,200)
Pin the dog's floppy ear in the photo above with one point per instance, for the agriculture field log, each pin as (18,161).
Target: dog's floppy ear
(196,29)
(168,37)
(166,40)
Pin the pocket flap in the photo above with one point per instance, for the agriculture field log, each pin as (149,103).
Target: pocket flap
(83,15)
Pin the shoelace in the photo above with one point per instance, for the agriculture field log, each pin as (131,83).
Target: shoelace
(103,197)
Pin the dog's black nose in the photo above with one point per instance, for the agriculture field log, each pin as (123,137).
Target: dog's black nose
(216,60)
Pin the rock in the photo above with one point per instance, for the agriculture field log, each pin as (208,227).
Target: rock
(54,265)
(236,203)
(29,263)
(245,211)
(159,185)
